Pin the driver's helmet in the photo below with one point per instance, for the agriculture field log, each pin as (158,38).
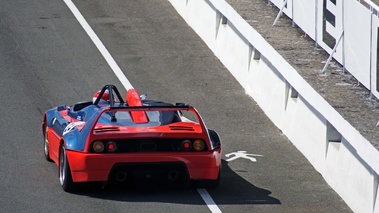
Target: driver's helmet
(104,98)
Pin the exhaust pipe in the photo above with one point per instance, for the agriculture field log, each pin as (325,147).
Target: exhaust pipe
(173,175)
(121,176)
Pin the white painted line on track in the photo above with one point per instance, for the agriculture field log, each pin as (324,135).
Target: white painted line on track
(125,82)
(103,50)
(209,201)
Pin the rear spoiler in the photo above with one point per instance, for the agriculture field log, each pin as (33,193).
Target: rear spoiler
(152,108)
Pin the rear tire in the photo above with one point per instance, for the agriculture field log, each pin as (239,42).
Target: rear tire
(65,177)
(46,150)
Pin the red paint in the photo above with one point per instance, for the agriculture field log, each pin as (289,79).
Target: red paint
(133,99)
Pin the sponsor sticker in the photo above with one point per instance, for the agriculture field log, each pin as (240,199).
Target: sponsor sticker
(72,126)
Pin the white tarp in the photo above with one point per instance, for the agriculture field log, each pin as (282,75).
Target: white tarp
(304,15)
(357,40)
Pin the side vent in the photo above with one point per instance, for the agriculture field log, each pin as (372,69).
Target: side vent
(107,129)
(183,128)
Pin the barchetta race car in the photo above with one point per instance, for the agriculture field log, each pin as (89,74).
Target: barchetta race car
(112,140)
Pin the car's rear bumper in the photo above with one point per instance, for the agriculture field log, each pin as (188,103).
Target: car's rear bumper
(97,167)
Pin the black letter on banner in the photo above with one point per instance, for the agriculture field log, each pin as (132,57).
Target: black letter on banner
(331,18)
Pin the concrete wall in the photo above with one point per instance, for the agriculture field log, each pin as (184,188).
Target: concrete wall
(346,160)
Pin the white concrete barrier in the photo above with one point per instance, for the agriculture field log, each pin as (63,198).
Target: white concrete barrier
(346,160)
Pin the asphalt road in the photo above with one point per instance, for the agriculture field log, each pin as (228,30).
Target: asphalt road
(46,60)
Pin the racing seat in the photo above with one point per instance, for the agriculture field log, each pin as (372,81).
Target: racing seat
(81,105)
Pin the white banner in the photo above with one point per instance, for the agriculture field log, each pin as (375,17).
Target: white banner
(357,40)
(287,8)
(375,56)
(348,26)
(304,16)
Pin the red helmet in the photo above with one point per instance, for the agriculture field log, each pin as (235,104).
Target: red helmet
(105,96)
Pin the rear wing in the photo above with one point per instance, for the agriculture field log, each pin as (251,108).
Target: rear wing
(114,119)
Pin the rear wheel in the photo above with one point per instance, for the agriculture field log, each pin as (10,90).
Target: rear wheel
(65,177)
(46,150)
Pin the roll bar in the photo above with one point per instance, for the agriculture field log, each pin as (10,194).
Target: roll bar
(111,88)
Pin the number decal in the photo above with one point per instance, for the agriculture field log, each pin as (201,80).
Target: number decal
(72,126)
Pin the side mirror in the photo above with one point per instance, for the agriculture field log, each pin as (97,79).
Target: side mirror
(143,96)
(215,139)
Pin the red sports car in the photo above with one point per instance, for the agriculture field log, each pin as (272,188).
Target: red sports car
(112,140)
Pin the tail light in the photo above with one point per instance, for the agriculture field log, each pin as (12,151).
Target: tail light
(198,145)
(98,146)
(194,145)
(111,146)
(186,145)
(104,146)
